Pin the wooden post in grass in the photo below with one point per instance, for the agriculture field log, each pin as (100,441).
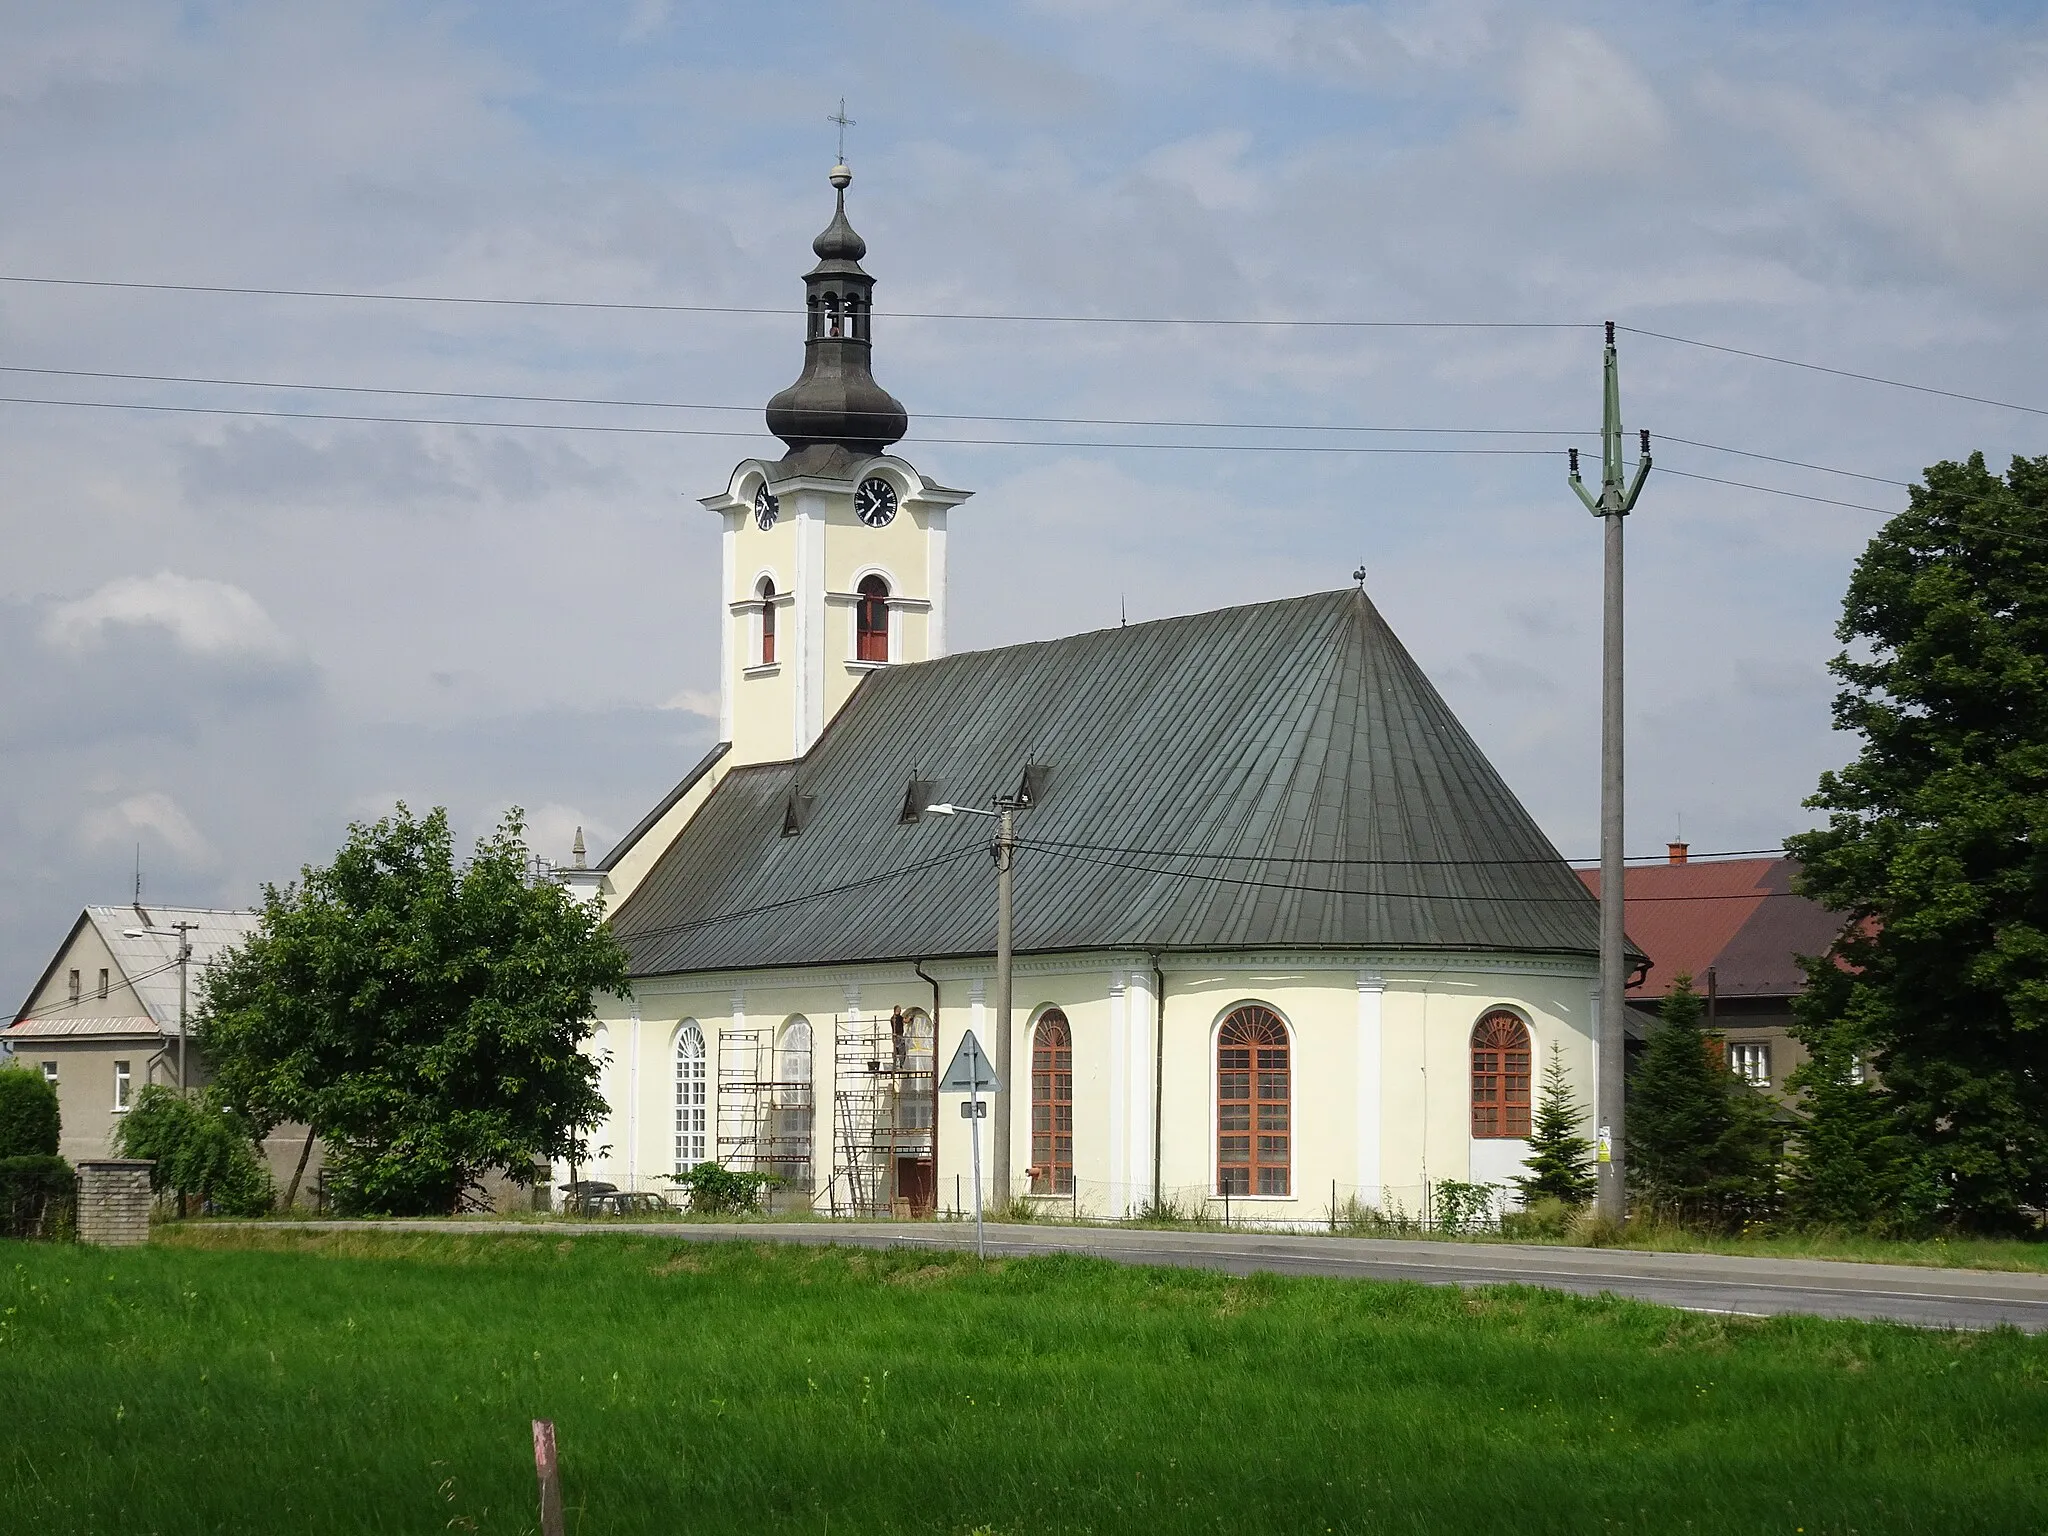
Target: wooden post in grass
(550,1477)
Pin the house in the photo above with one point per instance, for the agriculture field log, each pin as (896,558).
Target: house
(1283,936)
(105,1016)
(1737,928)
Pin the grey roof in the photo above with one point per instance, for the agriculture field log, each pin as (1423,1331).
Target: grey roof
(145,947)
(1201,767)
(663,806)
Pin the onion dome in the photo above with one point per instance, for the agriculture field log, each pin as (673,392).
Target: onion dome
(836,403)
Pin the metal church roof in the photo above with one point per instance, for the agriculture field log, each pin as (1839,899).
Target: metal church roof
(1276,775)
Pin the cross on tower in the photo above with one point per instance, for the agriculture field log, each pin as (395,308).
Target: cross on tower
(844,123)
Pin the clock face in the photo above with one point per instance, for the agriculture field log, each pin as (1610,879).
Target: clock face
(874,501)
(766,508)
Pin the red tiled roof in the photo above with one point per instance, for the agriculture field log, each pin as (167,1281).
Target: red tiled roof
(1737,917)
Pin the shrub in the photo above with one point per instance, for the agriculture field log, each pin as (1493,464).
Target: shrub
(29,1124)
(716,1190)
(1459,1209)
(37,1196)
(200,1150)
(1544,1220)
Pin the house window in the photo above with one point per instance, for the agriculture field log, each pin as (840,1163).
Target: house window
(1500,1075)
(74,986)
(50,1073)
(767,593)
(871,620)
(690,1098)
(1254,1104)
(1052,1105)
(103,981)
(123,1085)
(1750,1060)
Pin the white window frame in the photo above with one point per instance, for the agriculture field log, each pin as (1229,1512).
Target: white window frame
(1746,1056)
(124,1087)
(692,1097)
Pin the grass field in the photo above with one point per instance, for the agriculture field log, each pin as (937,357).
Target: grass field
(282,1381)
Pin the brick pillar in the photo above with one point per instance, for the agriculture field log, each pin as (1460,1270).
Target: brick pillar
(113,1202)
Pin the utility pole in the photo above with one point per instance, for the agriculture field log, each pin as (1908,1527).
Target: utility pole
(184,931)
(1006,853)
(1612,505)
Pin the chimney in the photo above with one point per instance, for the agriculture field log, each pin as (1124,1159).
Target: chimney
(1675,852)
(576,850)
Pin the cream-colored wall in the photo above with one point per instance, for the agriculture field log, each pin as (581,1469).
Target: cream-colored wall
(1425,1014)
(87,953)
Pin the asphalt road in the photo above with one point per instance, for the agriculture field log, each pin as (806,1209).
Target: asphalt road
(1932,1298)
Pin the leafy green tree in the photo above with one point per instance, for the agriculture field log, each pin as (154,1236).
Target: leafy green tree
(202,1151)
(29,1122)
(1936,847)
(1701,1146)
(422,1018)
(1560,1160)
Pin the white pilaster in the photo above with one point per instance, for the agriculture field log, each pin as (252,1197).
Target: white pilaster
(729,651)
(1372,991)
(633,1097)
(810,620)
(1118,1162)
(1141,1007)
(935,582)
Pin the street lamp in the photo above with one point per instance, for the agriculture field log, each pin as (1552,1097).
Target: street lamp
(1005,817)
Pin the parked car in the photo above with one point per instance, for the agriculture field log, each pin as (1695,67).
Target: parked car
(583,1197)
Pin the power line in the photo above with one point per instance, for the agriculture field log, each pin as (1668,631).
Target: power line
(1064,421)
(795,901)
(1840,373)
(1315,890)
(58,1007)
(1654,860)
(1224,321)
(750,309)
(577,426)
(1772,490)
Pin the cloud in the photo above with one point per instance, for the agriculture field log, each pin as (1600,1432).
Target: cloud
(153,812)
(701,702)
(1580,108)
(205,618)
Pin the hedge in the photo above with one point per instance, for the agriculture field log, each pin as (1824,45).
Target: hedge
(38,1197)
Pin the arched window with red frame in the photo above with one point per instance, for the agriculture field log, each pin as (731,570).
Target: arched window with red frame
(1052,1105)
(871,620)
(1254,1104)
(766,593)
(1500,1076)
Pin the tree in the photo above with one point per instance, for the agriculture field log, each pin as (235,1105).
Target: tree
(423,1019)
(201,1150)
(1936,846)
(29,1123)
(1560,1160)
(1853,1163)
(1700,1144)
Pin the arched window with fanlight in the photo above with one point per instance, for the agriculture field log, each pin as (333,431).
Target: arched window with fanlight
(692,1112)
(766,592)
(1500,1075)
(1052,1105)
(1254,1104)
(871,620)
(788,1154)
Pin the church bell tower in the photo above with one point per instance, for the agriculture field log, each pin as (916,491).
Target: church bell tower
(834,555)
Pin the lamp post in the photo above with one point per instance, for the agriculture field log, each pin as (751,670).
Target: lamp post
(1005,849)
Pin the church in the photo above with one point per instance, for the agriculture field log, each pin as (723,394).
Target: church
(1284,940)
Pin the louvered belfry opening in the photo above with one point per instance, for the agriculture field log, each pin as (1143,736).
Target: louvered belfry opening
(1500,1076)
(1254,1105)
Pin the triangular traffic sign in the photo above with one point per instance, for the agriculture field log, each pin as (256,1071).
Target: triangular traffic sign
(971,1070)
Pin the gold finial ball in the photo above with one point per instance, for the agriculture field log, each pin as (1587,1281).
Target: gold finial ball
(841,177)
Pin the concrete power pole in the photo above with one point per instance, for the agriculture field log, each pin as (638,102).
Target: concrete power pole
(184,964)
(1612,505)
(1006,852)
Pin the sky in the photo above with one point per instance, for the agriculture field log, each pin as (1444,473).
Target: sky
(226,635)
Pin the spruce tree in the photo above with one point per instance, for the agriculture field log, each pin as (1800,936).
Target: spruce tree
(1933,850)
(1700,1144)
(1560,1161)
(1854,1162)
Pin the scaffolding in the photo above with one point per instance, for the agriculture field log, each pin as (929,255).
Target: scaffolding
(766,1106)
(884,1104)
